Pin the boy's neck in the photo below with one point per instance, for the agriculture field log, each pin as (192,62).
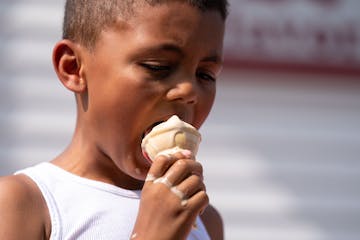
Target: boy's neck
(99,169)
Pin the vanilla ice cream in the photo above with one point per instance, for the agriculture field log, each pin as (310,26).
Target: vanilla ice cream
(170,137)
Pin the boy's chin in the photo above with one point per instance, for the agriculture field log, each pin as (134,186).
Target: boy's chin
(139,172)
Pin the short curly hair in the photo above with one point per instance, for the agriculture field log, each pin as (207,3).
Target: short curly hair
(85,19)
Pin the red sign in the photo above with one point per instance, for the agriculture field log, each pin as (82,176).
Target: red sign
(303,32)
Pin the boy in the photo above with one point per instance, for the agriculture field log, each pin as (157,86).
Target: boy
(131,64)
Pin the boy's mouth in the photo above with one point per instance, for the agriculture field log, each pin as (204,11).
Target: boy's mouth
(148,130)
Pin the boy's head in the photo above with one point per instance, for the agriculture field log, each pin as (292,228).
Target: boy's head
(133,64)
(85,19)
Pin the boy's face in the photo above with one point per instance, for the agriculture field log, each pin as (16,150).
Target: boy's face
(162,61)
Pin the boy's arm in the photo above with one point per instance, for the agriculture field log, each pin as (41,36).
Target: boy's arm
(22,209)
(213,223)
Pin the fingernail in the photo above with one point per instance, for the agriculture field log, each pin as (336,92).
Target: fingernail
(165,155)
(186,153)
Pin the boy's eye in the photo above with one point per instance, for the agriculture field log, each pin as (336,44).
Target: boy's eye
(205,76)
(155,67)
(156,70)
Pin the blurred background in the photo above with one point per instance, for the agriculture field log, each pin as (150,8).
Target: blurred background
(281,148)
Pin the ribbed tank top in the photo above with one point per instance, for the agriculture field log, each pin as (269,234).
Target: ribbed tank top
(85,209)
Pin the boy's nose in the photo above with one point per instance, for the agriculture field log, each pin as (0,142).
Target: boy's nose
(184,92)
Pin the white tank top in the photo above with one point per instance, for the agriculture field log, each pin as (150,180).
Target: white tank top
(85,209)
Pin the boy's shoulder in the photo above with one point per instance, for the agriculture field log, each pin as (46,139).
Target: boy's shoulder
(22,206)
(17,190)
(213,223)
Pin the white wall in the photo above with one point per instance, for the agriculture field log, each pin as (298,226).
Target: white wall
(282,155)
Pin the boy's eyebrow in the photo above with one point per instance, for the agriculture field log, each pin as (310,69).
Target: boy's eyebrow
(214,58)
(167,47)
(170,47)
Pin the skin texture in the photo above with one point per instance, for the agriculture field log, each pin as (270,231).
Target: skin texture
(140,72)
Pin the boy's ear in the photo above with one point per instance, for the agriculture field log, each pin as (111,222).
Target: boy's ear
(67,64)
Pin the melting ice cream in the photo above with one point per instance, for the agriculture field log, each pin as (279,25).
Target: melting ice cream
(170,137)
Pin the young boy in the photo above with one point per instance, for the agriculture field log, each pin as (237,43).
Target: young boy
(131,64)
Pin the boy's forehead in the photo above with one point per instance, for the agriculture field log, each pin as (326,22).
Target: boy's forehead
(163,17)
(175,28)
(176,9)
(164,13)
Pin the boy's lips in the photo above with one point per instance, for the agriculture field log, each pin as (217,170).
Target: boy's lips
(148,130)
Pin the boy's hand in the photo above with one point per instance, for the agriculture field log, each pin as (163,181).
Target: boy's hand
(173,196)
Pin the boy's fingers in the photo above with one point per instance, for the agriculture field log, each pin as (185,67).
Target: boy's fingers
(180,180)
(182,169)
(183,154)
(159,167)
(198,202)
(190,186)
(163,162)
